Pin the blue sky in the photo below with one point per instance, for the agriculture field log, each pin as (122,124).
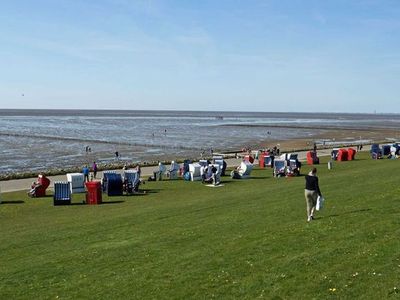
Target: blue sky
(255,55)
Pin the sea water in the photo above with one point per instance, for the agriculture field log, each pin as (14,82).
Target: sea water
(44,139)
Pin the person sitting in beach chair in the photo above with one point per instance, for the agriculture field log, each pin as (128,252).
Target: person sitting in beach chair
(38,188)
(242,171)
(34,186)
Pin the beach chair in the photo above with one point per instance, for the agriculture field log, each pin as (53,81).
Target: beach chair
(293,167)
(376,151)
(195,171)
(334,153)
(184,170)
(172,172)
(113,184)
(131,181)
(351,154)
(77,182)
(342,155)
(160,172)
(386,150)
(62,193)
(94,192)
(222,164)
(106,175)
(38,188)
(279,168)
(312,158)
(265,160)
(243,171)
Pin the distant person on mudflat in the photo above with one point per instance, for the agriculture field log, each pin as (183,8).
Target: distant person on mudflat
(311,193)
(116,155)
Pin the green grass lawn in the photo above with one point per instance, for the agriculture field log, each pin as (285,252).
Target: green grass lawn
(246,240)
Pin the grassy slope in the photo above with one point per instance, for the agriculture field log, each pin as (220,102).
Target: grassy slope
(245,240)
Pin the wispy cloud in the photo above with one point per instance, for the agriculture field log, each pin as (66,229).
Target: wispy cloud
(319,17)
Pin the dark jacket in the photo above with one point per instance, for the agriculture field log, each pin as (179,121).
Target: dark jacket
(312,184)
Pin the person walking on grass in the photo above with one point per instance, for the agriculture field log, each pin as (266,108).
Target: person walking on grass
(311,193)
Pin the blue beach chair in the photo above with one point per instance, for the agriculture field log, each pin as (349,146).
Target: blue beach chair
(112,183)
(62,193)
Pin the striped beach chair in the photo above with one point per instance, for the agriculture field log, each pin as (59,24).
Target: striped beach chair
(131,181)
(106,175)
(62,193)
(112,183)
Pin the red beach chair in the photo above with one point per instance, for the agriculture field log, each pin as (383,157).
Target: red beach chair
(38,189)
(351,154)
(342,155)
(312,158)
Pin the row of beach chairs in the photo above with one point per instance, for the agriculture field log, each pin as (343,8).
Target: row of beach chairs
(113,184)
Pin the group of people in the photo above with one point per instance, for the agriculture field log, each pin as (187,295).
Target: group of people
(86,171)
(274,151)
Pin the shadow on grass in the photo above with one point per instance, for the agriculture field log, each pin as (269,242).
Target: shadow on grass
(12,202)
(259,177)
(75,203)
(113,202)
(347,213)
(104,202)
(144,192)
(43,197)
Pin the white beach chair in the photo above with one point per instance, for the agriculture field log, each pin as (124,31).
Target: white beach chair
(245,169)
(194,170)
(77,182)
(172,172)
(160,173)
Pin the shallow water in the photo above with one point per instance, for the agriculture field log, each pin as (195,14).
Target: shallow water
(44,139)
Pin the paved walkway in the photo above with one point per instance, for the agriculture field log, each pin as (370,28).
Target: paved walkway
(24,184)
